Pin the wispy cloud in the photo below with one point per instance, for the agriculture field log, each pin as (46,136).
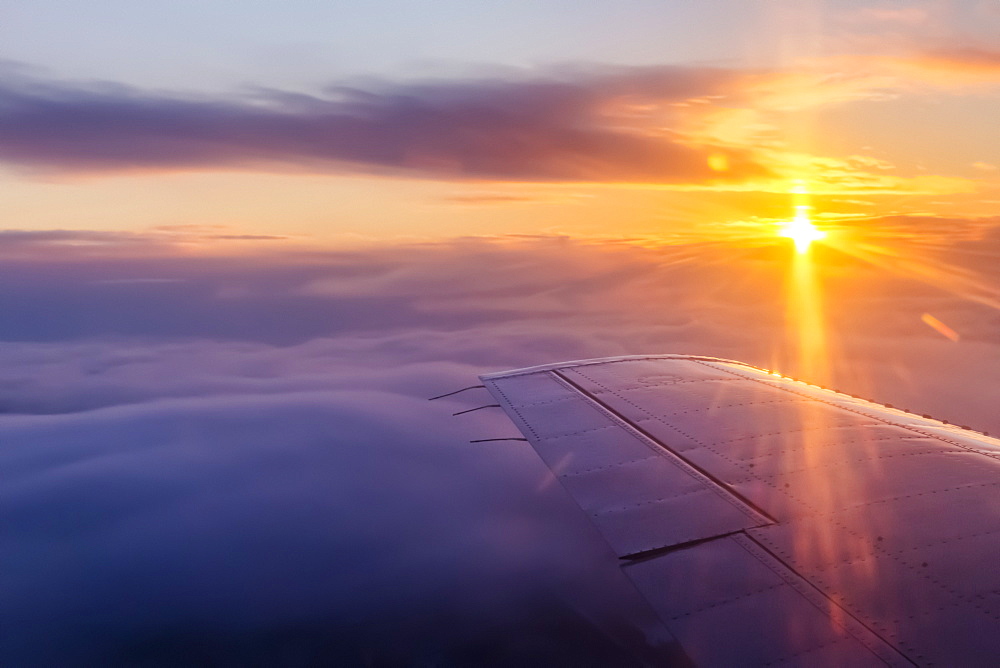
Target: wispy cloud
(912,15)
(162,240)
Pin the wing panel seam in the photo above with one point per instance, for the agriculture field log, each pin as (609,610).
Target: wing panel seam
(650,416)
(814,595)
(896,554)
(607,467)
(744,505)
(507,401)
(868,504)
(611,511)
(955,597)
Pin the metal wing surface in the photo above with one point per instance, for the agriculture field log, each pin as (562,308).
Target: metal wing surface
(772,522)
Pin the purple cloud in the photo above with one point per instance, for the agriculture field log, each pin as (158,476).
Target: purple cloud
(291,529)
(581,126)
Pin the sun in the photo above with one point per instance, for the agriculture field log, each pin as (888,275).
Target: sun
(801,230)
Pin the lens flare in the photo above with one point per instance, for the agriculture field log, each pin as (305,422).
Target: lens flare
(941,328)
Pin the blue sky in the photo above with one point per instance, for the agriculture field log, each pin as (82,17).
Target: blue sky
(187,44)
(199,45)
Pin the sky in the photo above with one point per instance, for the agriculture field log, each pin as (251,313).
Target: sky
(243,243)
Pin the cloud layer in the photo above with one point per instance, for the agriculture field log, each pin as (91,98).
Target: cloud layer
(232,462)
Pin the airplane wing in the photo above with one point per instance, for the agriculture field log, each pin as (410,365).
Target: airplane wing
(772,522)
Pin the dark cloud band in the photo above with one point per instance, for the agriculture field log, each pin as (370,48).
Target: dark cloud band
(585,126)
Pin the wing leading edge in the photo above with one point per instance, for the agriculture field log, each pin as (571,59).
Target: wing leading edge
(768,521)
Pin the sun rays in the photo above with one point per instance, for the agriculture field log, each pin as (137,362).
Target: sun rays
(801,229)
